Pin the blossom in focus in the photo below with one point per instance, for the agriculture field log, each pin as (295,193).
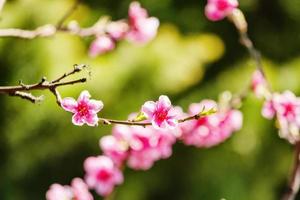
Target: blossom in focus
(85,109)
(102,44)
(78,190)
(258,84)
(102,175)
(210,130)
(142,28)
(218,9)
(160,113)
(286,108)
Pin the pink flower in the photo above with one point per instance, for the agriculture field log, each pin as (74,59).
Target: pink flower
(258,84)
(58,191)
(146,145)
(142,28)
(102,44)
(286,108)
(218,9)
(78,191)
(115,148)
(210,130)
(102,175)
(84,109)
(117,30)
(161,113)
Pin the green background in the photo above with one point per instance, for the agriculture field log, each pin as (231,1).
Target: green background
(191,59)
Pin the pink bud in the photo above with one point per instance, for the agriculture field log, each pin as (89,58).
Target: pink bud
(218,9)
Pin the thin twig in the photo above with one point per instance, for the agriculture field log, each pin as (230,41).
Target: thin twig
(49,30)
(22,90)
(294,184)
(144,124)
(68,14)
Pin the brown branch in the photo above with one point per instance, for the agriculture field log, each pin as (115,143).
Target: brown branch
(144,124)
(49,30)
(294,184)
(22,90)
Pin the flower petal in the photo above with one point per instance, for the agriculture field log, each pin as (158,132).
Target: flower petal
(95,105)
(164,102)
(84,95)
(69,104)
(148,108)
(92,119)
(77,120)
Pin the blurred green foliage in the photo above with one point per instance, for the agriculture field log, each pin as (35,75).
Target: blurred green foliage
(191,59)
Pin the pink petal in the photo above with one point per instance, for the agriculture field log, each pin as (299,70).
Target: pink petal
(212,13)
(84,96)
(69,104)
(148,108)
(164,102)
(92,119)
(77,119)
(172,123)
(95,105)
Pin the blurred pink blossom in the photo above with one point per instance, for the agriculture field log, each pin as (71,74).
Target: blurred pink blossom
(210,130)
(286,108)
(115,148)
(58,191)
(218,9)
(146,145)
(102,175)
(142,28)
(117,30)
(160,113)
(258,84)
(85,110)
(78,190)
(102,44)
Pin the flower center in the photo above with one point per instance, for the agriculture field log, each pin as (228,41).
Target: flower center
(103,175)
(288,110)
(82,109)
(162,115)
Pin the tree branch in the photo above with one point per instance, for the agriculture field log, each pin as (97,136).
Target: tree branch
(294,184)
(144,124)
(22,90)
(49,30)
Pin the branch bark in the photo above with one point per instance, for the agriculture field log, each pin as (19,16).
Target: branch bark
(23,91)
(294,184)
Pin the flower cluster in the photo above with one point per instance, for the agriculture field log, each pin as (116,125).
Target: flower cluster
(140,28)
(210,130)
(139,147)
(78,190)
(218,9)
(284,106)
